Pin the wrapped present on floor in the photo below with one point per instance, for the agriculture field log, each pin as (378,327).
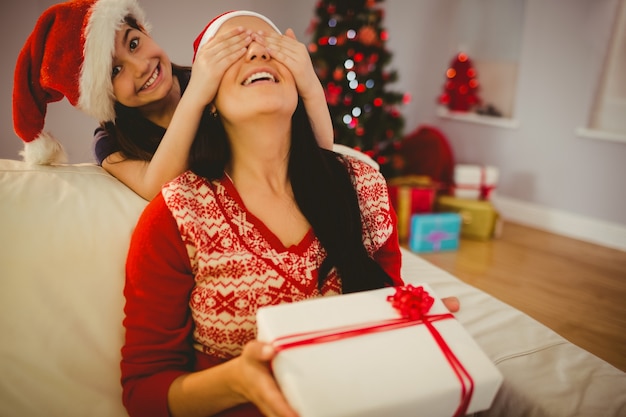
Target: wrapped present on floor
(410,195)
(474,182)
(434,232)
(389,352)
(479,219)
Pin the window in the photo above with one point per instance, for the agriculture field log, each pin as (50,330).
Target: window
(490,33)
(609,111)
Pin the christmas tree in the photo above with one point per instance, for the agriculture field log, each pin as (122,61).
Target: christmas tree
(461,87)
(349,55)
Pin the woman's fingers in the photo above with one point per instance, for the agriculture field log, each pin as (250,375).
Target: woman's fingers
(261,386)
(452,304)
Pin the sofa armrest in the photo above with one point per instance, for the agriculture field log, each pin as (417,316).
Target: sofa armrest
(65,232)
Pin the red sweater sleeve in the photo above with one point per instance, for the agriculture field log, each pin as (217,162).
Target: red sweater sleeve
(388,255)
(158,323)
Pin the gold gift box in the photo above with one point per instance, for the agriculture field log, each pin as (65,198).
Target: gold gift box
(479,219)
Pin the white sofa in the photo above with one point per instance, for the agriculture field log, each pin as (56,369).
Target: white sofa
(64,233)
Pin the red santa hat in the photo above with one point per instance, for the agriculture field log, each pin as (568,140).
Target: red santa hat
(211,29)
(68,54)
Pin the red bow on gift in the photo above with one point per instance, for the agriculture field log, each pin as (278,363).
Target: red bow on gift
(412,302)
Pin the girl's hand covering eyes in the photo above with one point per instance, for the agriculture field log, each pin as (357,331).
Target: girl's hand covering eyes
(287,50)
(212,60)
(293,54)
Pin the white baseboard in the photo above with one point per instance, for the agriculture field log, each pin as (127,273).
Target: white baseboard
(591,230)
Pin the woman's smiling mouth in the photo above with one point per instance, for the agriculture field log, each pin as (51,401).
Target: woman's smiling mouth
(259,76)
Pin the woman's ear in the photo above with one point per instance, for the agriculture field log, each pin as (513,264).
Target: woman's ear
(213,110)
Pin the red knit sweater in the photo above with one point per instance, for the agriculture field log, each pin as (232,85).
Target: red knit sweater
(199,266)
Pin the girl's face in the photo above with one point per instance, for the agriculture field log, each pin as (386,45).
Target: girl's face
(142,71)
(256,83)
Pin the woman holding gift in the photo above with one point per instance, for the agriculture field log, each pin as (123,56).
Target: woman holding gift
(269,217)
(119,75)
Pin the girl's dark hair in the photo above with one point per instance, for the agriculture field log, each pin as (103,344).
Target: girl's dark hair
(324,192)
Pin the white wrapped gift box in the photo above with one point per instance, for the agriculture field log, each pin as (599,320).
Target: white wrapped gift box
(398,372)
(475,182)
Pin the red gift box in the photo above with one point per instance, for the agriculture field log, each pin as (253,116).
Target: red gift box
(410,195)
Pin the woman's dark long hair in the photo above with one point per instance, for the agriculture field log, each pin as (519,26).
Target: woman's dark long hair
(324,192)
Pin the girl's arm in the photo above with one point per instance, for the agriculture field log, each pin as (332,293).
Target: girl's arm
(294,55)
(171,157)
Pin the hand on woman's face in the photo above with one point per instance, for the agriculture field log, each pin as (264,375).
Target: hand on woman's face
(142,71)
(256,83)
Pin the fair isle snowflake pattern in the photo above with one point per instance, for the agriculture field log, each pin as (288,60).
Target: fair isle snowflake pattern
(237,268)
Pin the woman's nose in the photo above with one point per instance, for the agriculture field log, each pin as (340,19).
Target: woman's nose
(256,51)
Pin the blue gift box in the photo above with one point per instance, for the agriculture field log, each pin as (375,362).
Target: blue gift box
(434,232)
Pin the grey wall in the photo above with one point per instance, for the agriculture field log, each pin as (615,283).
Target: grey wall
(542,161)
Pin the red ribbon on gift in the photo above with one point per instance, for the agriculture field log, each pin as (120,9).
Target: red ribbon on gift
(413,303)
(484,189)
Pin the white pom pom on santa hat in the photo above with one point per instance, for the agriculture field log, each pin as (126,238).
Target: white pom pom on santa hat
(44,150)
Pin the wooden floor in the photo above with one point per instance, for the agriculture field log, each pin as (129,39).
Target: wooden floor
(576,288)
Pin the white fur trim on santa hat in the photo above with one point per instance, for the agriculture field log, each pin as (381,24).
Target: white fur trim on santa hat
(44,150)
(214,26)
(96,91)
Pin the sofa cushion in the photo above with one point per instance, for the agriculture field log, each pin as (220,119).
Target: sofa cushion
(65,232)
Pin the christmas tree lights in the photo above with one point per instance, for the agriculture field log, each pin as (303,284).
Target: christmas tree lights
(348,50)
(461,86)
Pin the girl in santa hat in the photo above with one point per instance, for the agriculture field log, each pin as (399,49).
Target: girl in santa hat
(99,55)
(268,217)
